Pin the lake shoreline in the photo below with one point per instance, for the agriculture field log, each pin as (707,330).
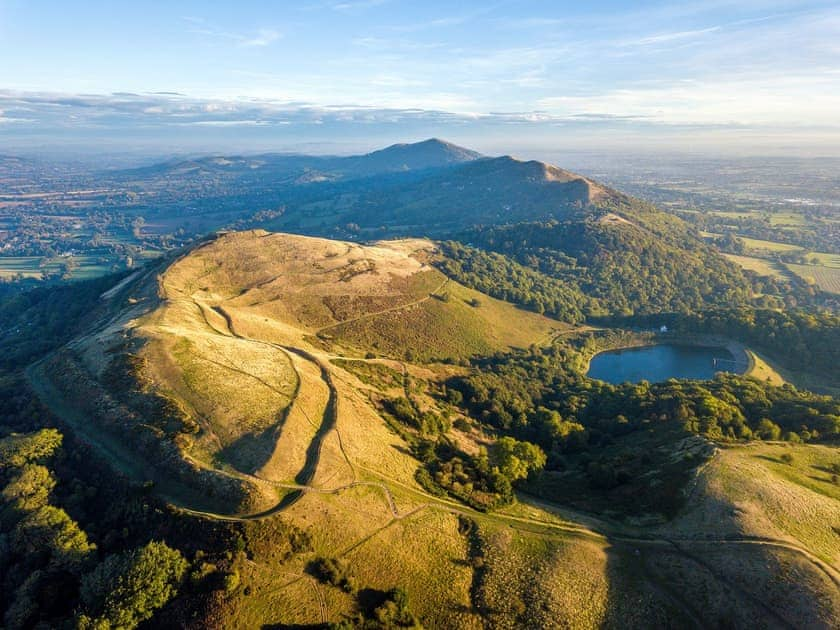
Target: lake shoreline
(744,362)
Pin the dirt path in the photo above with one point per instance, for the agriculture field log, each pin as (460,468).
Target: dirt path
(586,527)
(330,415)
(129,464)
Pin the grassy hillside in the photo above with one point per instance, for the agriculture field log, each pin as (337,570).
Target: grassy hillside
(365,421)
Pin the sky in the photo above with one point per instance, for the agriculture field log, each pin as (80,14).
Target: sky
(747,77)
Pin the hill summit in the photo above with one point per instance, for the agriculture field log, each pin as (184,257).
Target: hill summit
(431,153)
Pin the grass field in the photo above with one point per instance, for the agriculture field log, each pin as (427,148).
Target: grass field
(826,278)
(826,260)
(27,266)
(733,214)
(772,246)
(758,265)
(786,218)
(35,266)
(763,371)
(444,329)
(772,497)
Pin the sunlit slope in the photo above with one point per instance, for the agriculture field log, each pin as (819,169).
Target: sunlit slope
(223,360)
(347,297)
(245,379)
(774,491)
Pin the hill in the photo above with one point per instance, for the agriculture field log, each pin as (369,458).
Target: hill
(388,417)
(226,350)
(622,265)
(280,167)
(478,191)
(620,255)
(428,154)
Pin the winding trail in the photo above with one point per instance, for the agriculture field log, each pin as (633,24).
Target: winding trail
(596,529)
(593,528)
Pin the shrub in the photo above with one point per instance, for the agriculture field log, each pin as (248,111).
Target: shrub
(231,581)
(49,530)
(516,459)
(334,572)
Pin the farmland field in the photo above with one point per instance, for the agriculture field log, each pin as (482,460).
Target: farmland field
(35,266)
(733,214)
(786,218)
(758,265)
(773,246)
(27,266)
(826,260)
(826,278)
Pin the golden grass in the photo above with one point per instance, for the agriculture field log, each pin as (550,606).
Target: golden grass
(532,581)
(762,370)
(750,490)
(213,343)
(236,390)
(447,328)
(300,425)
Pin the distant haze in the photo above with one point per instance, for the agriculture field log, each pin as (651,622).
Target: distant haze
(329,76)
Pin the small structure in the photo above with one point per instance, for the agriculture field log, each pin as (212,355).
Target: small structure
(663,329)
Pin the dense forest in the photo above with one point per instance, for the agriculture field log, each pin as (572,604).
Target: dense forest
(562,422)
(622,268)
(806,340)
(505,279)
(535,395)
(549,419)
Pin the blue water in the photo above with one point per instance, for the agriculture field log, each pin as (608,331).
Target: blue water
(659,363)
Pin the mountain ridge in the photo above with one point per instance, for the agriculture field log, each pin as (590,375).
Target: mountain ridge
(426,154)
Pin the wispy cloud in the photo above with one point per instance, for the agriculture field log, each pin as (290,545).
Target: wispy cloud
(355,5)
(264,37)
(678,35)
(261,37)
(664,104)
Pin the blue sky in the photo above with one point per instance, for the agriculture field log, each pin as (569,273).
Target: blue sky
(751,76)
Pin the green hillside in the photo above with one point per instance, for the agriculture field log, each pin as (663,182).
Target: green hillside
(322,432)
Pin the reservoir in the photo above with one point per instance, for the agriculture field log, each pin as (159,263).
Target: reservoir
(660,362)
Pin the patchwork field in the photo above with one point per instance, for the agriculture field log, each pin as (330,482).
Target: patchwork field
(826,278)
(787,218)
(81,267)
(826,260)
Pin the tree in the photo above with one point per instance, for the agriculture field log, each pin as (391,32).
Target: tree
(30,489)
(395,611)
(24,606)
(517,459)
(50,530)
(126,589)
(18,450)
(768,430)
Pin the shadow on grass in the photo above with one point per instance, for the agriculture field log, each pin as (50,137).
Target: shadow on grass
(252,451)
